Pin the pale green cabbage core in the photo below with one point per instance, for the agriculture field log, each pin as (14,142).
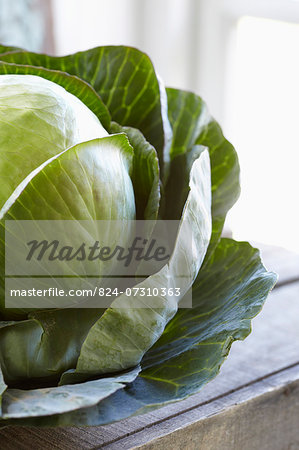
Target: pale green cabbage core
(38,119)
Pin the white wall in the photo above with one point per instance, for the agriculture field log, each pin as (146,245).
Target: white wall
(82,24)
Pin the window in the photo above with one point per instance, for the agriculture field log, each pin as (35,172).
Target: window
(263,122)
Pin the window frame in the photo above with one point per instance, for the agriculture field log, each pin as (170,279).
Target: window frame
(217,23)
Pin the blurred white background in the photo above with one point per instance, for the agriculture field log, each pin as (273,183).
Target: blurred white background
(242,57)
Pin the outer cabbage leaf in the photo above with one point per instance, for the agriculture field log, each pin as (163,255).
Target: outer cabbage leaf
(90,181)
(43,402)
(119,339)
(37,350)
(193,126)
(145,173)
(51,192)
(231,290)
(125,79)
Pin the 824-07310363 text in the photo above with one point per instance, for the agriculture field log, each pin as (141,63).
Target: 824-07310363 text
(100,291)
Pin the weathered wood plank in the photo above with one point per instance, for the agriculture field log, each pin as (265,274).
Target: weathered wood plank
(284,262)
(262,416)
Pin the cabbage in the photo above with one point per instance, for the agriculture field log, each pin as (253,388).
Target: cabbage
(95,137)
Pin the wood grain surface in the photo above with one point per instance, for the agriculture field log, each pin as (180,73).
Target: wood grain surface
(252,404)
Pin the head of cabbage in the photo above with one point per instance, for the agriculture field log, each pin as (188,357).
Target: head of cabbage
(96,136)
